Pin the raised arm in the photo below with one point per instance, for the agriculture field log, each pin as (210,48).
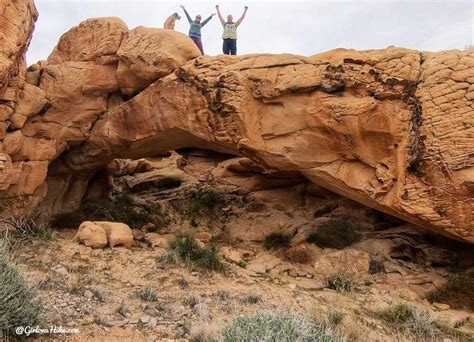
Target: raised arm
(187,14)
(207,20)
(220,15)
(243,16)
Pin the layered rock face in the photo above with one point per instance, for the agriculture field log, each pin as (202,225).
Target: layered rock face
(17,21)
(392,129)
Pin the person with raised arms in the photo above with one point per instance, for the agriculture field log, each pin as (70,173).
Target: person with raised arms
(195,28)
(229,45)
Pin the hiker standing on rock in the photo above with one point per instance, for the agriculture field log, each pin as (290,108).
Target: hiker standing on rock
(229,46)
(195,28)
(169,23)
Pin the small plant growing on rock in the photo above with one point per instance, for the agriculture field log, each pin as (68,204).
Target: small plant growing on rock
(337,233)
(413,321)
(339,281)
(457,292)
(277,326)
(203,204)
(276,240)
(148,295)
(187,249)
(18,303)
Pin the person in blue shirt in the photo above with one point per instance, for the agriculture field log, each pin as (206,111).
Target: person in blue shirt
(195,28)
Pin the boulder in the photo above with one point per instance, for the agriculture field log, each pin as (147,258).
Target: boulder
(95,39)
(91,235)
(117,233)
(98,234)
(349,260)
(147,54)
(263,263)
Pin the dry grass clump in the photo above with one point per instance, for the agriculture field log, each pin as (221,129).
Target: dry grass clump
(412,321)
(186,248)
(339,281)
(148,295)
(277,326)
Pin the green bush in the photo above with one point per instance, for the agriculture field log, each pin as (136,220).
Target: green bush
(120,209)
(412,321)
(18,303)
(203,204)
(457,292)
(338,233)
(276,240)
(275,326)
(339,281)
(187,249)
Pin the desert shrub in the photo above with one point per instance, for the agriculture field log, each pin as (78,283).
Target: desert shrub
(277,326)
(18,303)
(68,220)
(19,228)
(339,281)
(187,249)
(276,240)
(413,321)
(337,233)
(457,292)
(148,295)
(375,266)
(335,318)
(120,209)
(297,255)
(253,298)
(204,332)
(98,294)
(203,204)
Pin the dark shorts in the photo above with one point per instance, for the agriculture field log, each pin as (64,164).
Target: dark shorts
(229,47)
(198,43)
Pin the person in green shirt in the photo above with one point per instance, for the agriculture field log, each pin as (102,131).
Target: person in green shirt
(195,28)
(229,46)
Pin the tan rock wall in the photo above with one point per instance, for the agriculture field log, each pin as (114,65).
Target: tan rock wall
(391,128)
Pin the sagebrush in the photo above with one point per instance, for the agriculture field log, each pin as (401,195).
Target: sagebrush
(277,326)
(19,305)
(418,323)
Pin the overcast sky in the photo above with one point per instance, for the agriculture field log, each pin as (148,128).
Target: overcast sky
(299,27)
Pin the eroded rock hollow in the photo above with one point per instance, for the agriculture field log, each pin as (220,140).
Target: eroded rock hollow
(392,129)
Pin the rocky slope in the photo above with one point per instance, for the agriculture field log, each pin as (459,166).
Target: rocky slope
(391,129)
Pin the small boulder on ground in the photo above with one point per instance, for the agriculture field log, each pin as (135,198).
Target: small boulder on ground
(91,235)
(98,234)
